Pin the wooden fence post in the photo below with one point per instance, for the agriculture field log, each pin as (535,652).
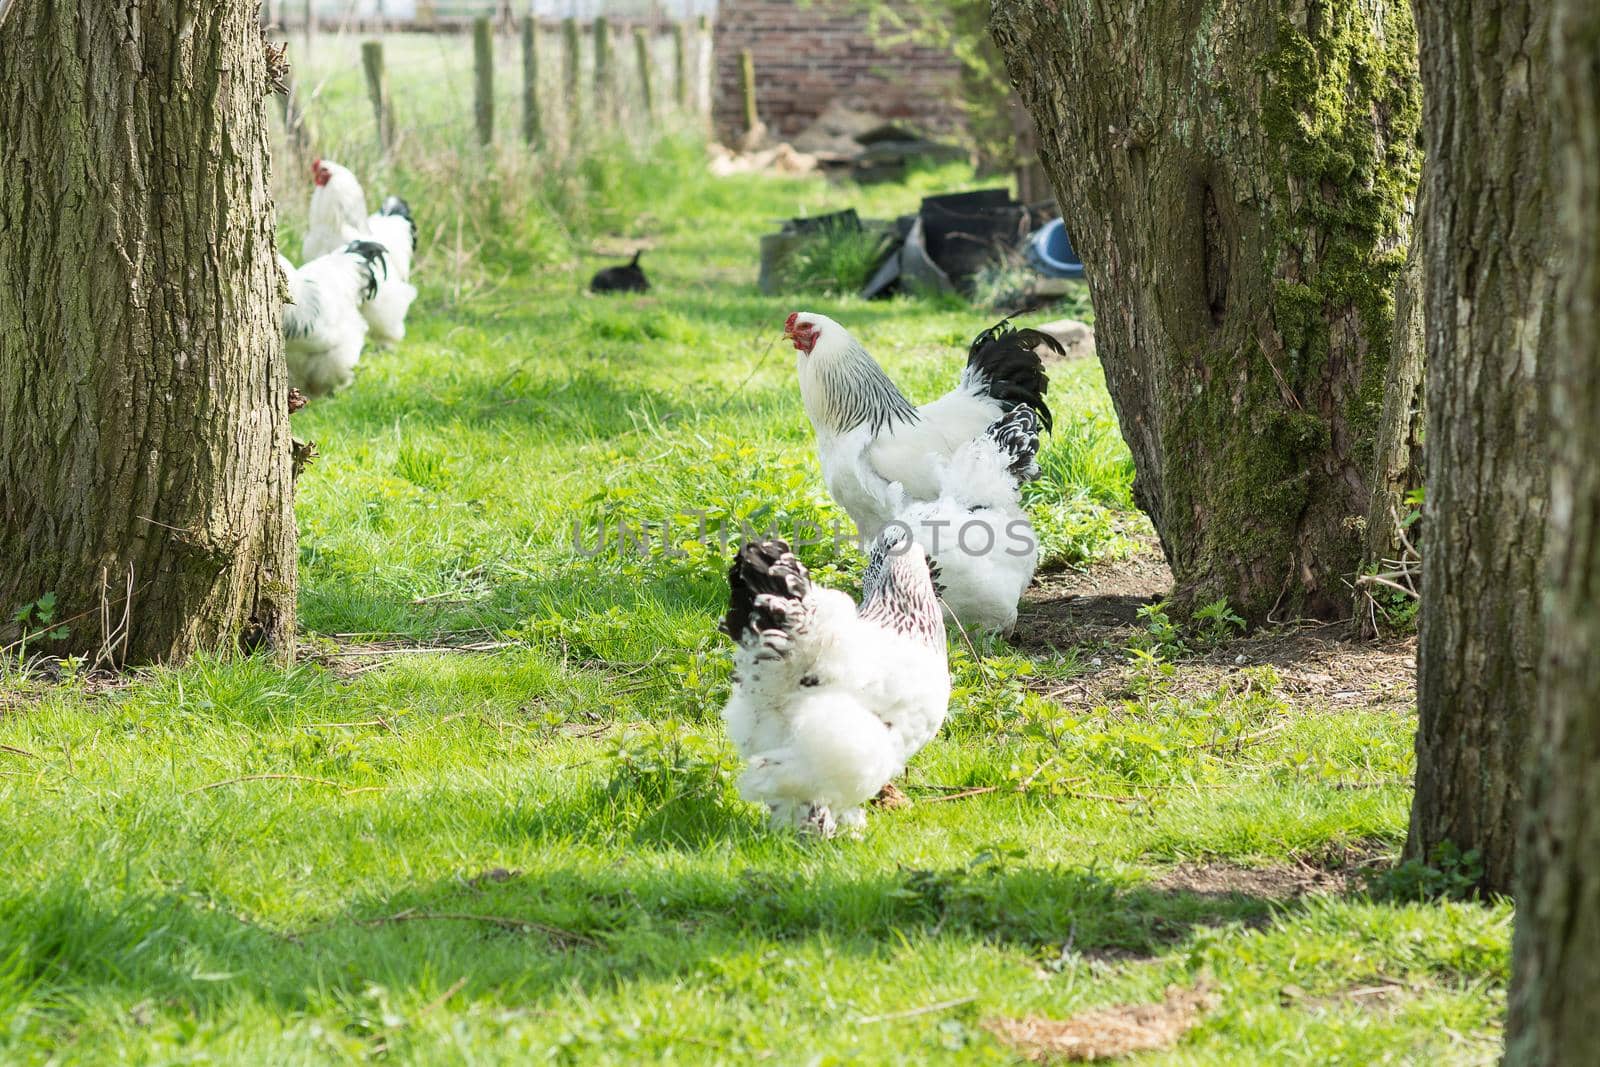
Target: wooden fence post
(602,64)
(483,66)
(378,93)
(680,68)
(530,80)
(703,69)
(570,75)
(747,90)
(641,50)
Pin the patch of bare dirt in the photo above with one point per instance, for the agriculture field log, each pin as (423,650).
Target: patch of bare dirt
(1283,882)
(44,676)
(1097,612)
(1067,609)
(1106,1033)
(350,655)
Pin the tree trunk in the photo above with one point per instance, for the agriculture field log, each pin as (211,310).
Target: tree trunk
(1487,238)
(1238,179)
(144,473)
(1397,459)
(1555,980)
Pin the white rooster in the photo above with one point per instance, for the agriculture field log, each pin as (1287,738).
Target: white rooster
(869,434)
(323,328)
(338,216)
(976,532)
(830,702)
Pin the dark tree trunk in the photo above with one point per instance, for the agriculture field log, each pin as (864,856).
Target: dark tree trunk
(1555,982)
(1486,232)
(144,473)
(1238,179)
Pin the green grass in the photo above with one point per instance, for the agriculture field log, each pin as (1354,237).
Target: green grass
(535,853)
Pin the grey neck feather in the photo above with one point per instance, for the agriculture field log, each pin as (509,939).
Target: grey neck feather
(854,390)
(898,594)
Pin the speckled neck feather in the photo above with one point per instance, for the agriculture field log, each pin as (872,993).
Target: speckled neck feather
(897,592)
(852,389)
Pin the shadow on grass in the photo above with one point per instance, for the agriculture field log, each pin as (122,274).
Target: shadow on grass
(536,934)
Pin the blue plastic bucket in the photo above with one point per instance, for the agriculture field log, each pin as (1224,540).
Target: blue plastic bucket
(1052,252)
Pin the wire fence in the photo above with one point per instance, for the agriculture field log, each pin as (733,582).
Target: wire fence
(445,15)
(369,94)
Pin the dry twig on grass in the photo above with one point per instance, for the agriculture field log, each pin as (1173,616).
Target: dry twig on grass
(912,1013)
(557,934)
(285,778)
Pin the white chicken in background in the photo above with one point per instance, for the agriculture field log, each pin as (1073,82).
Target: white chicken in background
(338,216)
(323,328)
(977,535)
(869,434)
(830,702)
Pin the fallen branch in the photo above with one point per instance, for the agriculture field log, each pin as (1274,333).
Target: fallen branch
(1106,796)
(284,778)
(418,650)
(438,1001)
(504,922)
(1245,739)
(15,751)
(927,1009)
(1022,787)
(1384,580)
(964,794)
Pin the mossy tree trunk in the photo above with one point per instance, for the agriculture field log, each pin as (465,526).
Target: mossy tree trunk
(1397,455)
(144,434)
(1555,980)
(1487,232)
(1238,179)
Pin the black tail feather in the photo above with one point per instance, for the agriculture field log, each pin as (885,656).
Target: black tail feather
(761,568)
(1017,435)
(371,252)
(634,262)
(1010,366)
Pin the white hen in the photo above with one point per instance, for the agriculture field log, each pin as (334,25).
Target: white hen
(338,216)
(323,329)
(830,702)
(977,534)
(868,434)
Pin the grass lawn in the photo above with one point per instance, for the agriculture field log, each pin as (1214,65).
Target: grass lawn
(490,816)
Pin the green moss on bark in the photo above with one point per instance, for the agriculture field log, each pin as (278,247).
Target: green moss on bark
(1342,189)
(1245,204)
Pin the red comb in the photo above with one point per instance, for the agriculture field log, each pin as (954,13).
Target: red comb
(788,326)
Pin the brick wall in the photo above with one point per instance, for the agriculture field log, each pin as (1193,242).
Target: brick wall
(807,55)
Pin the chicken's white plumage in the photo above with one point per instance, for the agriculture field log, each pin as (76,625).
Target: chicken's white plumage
(323,328)
(338,212)
(868,433)
(338,215)
(976,531)
(828,701)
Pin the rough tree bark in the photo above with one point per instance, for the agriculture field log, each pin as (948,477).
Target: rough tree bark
(1238,179)
(1486,232)
(144,437)
(1397,454)
(1555,981)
